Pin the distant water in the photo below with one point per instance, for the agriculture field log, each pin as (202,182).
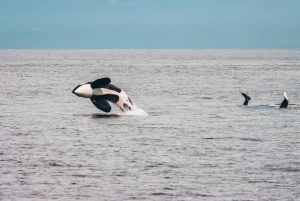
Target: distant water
(197,143)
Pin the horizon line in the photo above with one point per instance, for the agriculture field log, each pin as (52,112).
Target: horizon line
(150,48)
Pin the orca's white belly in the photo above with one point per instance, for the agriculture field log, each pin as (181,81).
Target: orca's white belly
(123,99)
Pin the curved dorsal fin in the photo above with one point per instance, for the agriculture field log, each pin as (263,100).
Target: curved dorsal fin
(285,102)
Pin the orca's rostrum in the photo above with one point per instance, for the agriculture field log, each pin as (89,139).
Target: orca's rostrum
(101,92)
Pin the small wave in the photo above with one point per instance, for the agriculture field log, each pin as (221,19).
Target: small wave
(210,138)
(106,116)
(252,139)
(55,164)
(136,111)
(260,106)
(273,106)
(283,169)
(216,138)
(294,106)
(79,175)
(162,194)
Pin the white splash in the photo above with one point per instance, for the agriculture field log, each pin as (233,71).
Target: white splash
(136,111)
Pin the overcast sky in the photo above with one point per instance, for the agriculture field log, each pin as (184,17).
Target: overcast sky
(115,24)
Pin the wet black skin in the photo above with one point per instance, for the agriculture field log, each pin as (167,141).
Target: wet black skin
(247,98)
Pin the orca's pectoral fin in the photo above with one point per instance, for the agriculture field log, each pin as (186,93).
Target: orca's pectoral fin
(100,82)
(101,103)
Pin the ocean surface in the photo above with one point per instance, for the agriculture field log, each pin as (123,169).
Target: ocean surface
(190,138)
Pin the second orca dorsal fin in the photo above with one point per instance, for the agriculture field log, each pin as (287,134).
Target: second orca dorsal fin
(285,102)
(247,98)
(100,83)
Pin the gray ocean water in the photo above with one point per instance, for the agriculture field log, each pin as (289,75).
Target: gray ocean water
(197,142)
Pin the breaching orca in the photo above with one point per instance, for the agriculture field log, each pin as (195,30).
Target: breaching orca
(285,102)
(247,98)
(101,91)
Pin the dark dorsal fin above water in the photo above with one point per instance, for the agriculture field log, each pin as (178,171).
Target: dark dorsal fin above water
(285,102)
(100,83)
(101,103)
(247,98)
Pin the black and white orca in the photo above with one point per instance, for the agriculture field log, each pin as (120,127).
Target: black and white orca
(101,91)
(247,98)
(285,102)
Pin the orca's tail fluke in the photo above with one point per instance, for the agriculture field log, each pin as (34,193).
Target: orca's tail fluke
(247,98)
(285,102)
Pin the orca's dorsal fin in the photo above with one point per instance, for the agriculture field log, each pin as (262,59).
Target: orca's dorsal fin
(100,83)
(285,102)
(247,98)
